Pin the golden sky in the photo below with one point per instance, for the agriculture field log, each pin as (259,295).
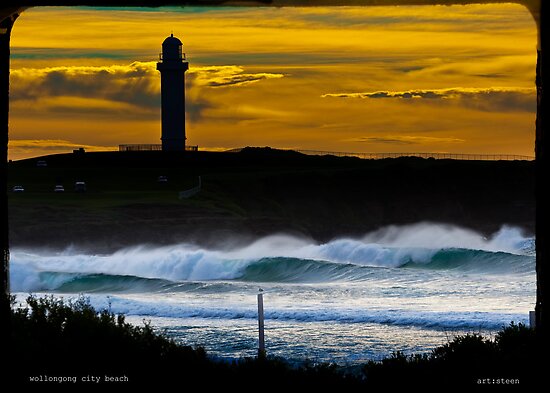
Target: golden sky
(366,79)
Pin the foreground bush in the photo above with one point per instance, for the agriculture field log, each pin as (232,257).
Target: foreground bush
(65,343)
(468,360)
(72,341)
(51,337)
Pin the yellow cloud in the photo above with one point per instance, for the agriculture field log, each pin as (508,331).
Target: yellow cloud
(220,76)
(20,148)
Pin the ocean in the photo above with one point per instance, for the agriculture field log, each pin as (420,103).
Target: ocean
(401,288)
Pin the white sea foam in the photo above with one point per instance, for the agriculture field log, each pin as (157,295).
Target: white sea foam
(312,313)
(388,247)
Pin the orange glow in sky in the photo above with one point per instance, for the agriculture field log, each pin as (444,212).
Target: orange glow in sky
(368,79)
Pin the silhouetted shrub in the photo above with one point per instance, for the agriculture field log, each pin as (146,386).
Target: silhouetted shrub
(54,338)
(467,360)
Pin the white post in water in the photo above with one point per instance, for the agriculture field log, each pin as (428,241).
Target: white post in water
(261,342)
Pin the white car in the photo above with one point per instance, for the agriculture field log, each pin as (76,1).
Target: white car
(59,188)
(18,189)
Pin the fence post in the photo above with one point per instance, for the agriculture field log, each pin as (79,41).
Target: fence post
(261,341)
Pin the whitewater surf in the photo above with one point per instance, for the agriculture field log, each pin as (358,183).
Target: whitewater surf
(399,288)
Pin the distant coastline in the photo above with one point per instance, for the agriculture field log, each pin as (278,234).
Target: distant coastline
(254,193)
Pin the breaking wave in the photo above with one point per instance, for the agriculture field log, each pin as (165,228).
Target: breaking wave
(275,259)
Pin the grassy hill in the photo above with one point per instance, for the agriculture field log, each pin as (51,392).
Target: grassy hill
(255,192)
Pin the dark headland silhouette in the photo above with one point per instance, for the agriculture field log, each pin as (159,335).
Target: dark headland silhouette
(253,193)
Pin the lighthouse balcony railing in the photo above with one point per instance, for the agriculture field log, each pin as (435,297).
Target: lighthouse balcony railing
(182,56)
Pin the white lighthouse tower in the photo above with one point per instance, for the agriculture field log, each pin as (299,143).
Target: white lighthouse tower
(172,67)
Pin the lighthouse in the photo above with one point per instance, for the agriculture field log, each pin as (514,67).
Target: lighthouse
(172,66)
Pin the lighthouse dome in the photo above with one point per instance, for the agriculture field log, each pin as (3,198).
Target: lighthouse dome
(171,48)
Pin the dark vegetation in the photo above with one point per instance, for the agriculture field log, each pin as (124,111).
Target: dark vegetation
(53,338)
(256,192)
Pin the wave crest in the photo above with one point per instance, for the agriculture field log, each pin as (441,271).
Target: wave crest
(276,259)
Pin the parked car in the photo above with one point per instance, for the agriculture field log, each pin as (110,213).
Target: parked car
(59,188)
(80,186)
(18,189)
(162,179)
(41,163)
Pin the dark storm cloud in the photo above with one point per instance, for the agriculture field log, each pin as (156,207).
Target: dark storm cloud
(129,87)
(405,139)
(494,99)
(133,84)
